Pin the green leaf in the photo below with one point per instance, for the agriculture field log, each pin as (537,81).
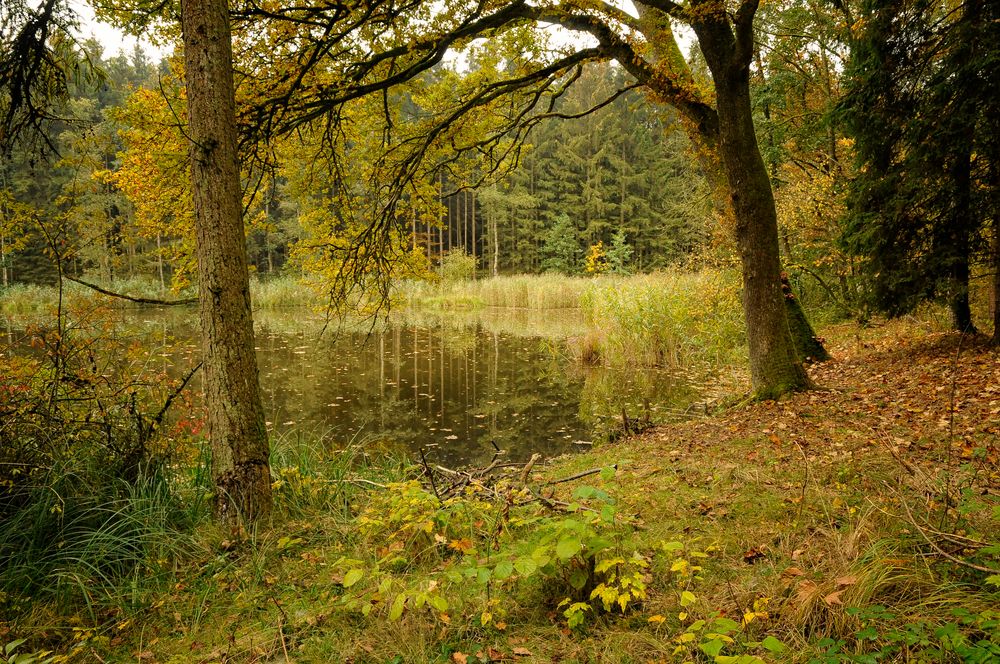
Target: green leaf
(483,575)
(503,569)
(578,578)
(584,492)
(725,625)
(596,544)
(773,644)
(608,474)
(526,566)
(397,607)
(672,546)
(353,576)
(687,598)
(993,580)
(712,648)
(608,514)
(568,547)
(438,602)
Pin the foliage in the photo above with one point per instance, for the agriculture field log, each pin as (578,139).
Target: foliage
(86,510)
(597,259)
(458,266)
(921,86)
(619,254)
(559,251)
(9,654)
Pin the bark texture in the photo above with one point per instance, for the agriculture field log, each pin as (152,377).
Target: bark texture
(774,364)
(232,391)
(809,346)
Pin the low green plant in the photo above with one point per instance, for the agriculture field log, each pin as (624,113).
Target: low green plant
(960,636)
(11,656)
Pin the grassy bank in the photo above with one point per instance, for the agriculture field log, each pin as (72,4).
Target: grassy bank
(849,524)
(33,300)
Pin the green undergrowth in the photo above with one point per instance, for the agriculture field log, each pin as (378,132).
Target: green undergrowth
(731,554)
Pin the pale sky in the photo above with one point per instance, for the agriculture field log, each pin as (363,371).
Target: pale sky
(114,40)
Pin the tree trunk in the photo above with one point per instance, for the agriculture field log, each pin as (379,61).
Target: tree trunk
(958,291)
(996,280)
(774,365)
(236,428)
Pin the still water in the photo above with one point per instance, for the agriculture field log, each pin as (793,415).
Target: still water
(453,384)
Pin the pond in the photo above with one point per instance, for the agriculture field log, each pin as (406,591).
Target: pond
(453,383)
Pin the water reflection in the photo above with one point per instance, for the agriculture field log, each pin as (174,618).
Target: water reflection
(453,383)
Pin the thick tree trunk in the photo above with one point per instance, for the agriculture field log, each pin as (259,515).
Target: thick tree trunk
(232,392)
(774,364)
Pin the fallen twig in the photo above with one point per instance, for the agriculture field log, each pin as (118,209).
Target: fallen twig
(585,473)
(934,545)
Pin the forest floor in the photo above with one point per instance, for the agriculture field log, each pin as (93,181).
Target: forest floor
(855,522)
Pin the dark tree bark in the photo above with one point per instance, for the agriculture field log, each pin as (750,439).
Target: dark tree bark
(774,363)
(959,246)
(996,280)
(236,428)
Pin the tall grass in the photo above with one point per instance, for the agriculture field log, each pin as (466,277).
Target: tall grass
(522,291)
(81,538)
(668,318)
(284,292)
(31,299)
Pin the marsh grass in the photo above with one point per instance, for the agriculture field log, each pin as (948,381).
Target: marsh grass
(669,318)
(521,291)
(666,319)
(280,293)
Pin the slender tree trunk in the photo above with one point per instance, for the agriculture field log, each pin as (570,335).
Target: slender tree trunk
(236,428)
(958,296)
(475,253)
(996,280)
(496,244)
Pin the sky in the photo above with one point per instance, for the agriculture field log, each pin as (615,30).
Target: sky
(114,40)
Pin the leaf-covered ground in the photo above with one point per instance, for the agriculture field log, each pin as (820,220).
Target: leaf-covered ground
(854,522)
